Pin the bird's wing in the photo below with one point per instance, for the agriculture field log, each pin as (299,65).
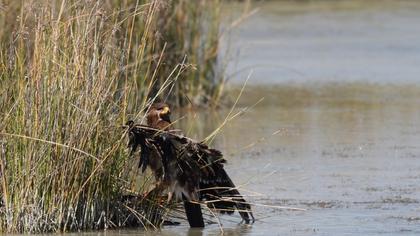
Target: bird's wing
(195,167)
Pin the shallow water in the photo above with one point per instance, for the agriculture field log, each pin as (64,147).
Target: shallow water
(303,41)
(353,162)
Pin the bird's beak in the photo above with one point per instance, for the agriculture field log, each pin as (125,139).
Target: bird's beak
(165,111)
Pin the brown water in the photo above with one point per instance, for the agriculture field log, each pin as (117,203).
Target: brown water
(348,153)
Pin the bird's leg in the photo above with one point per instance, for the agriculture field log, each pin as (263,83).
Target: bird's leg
(252,216)
(170,195)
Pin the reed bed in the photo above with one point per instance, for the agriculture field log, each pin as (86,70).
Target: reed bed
(71,74)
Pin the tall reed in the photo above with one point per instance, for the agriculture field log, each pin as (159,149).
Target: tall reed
(71,73)
(192,33)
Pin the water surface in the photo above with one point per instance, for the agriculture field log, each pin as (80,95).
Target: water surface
(324,41)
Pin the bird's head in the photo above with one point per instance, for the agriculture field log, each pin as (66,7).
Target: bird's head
(158,111)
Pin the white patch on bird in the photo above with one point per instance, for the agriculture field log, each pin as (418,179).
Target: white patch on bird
(178,191)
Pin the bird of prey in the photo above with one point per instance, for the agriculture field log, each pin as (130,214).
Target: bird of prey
(189,170)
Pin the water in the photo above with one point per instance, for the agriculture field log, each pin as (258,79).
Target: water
(347,152)
(324,41)
(353,161)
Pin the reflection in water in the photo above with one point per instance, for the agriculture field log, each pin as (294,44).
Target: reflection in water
(239,230)
(195,232)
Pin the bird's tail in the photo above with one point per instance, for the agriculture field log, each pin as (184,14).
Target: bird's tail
(221,194)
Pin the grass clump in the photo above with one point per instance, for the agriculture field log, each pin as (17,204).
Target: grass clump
(71,73)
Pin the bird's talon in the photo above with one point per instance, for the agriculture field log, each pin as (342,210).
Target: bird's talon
(170,194)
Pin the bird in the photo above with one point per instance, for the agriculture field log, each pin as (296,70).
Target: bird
(187,169)
(158,117)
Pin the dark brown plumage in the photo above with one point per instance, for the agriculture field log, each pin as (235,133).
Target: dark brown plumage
(158,117)
(189,170)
